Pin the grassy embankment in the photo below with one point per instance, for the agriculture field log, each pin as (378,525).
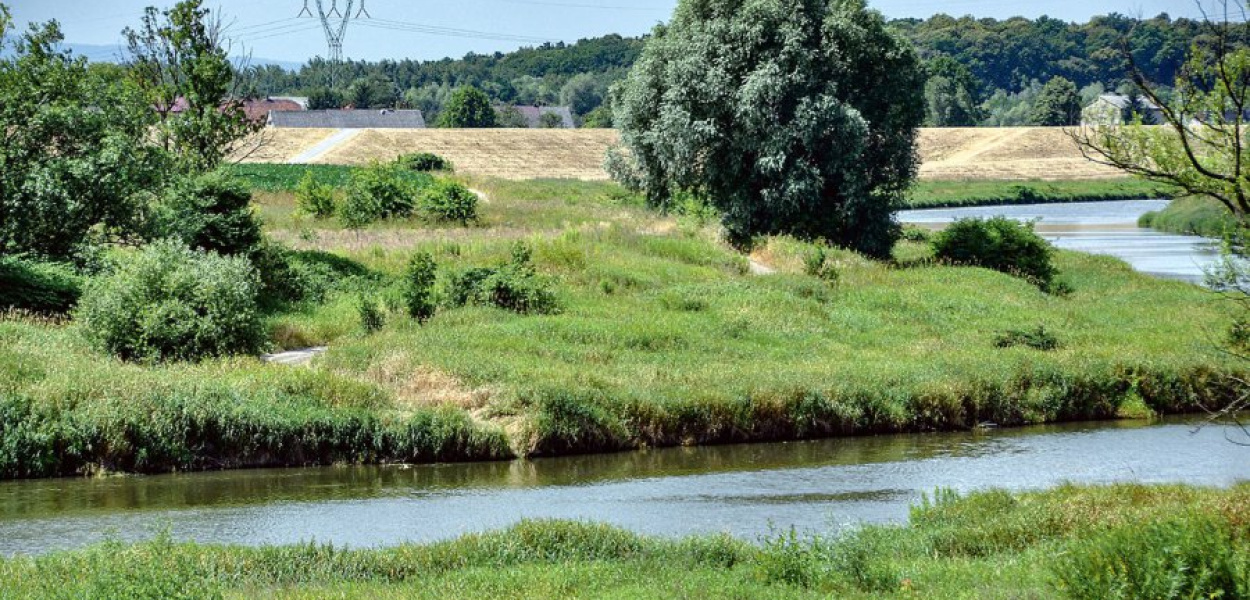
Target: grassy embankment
(663,338)
(1192,216)
(954,194)
(1070,542)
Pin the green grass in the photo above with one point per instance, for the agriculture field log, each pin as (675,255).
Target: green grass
(989,544)
(663,338)
(1192,216)
(943,194)
(285,178)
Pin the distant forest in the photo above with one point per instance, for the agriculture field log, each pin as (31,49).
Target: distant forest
(982,71)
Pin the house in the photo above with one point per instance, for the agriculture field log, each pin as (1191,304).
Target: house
(1110,109)
(259,110)
(348,119)
(533,116)
(302,101)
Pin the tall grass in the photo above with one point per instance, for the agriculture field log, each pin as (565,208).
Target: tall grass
(1066,542)
(954,194)
(1192,216)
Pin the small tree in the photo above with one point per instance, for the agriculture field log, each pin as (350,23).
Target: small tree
(792,117)
(1059,104)
(468,108)
(180,58)
(210,212)
(419,287)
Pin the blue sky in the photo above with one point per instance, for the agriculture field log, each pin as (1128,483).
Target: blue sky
(269,29)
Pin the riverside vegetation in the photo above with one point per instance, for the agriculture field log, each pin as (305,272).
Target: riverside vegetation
(1118,542)
(686,346)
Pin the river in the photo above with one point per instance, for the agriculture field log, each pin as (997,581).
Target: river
(744,490)
(1100,228)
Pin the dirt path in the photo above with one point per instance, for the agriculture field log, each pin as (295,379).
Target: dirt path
(294,358)
(336,139)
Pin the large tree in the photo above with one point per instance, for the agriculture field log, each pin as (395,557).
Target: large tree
(180,58)
(791,117)
(952,94)
(1059,104)
(468,108)
(74,156)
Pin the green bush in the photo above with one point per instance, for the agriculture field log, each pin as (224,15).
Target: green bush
(448,200)
(1037,339)
(315,198)
(1189,556)
(816,263)
(419,287)
(287,276)
(998,243)
(172,303)
(377,192)
(372,319)
(425,162)
(37,287)
(210,212)
(912,233)
(513,286)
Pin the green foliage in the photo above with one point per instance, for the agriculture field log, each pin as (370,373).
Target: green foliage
(315,198)
(37,287)
(583,93)
(85,187)
(377,192)
(176,58)
(1037,339)
(951,94)
(550,120)
(468,108)
(262,177)
(171,303)
(324,98)
(448,200)
(913,233)
(210,212)
(809,129)
(419,293)
(373,91)
(425,162)
(942,194)
(510,117)
(1191,555)
(372,317)
(1058,105)
(514,286)
(1193,216)
(997,243)
(818,263)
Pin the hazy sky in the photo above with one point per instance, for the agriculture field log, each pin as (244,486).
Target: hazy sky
(426,29)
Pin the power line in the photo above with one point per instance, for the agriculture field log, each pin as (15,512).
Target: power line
(452,31)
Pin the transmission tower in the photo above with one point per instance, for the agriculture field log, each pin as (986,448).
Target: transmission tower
(335,22)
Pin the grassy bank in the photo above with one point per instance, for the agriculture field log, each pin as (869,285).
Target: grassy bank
(1192,216)
(953,194)
(661,337)
(1071,542)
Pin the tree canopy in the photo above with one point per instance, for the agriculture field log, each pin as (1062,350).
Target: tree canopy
(788,117)
(469,108)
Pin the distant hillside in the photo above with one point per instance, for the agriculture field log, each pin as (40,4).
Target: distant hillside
(115,53)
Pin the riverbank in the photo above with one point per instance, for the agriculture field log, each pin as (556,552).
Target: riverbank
(957,194)
(1070,542)
(660,336)
(1192,216)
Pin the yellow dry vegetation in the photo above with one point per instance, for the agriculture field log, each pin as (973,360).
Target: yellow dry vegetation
(1015,153)
(274,145)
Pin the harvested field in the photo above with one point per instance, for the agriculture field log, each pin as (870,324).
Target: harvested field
(279,145)
(1019,153)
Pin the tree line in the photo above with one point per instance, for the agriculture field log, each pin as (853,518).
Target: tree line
(980,71)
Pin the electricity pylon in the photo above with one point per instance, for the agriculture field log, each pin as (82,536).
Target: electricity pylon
(335,22)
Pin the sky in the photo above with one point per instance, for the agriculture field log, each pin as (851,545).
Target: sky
(423,29)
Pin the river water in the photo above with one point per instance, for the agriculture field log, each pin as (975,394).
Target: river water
(744,490)
(1100,228)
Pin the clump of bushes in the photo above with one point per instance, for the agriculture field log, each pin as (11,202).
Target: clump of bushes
(172,303)
(211,212)
(375,193)
(1037,339)
(425,162)
(419,297)
(817,263)
(512,286)
(372,318)
(1000,244)
(447,200)
(37,287)
(912,233)
(315,198)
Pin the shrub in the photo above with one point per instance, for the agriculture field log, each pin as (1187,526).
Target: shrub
(816,264)
(425,162)
(513,286)
(1000,244)
(209,212)
(315,198)
(911,233)
(448,200)
(1191,556)
(43,288)
(286,277)
(375,193)
(372,319)
(172,303)
(1037,339)
(550,120)
(419,287)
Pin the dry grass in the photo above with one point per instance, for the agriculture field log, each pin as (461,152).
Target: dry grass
(1017,153)
(416,386)
(275,145)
